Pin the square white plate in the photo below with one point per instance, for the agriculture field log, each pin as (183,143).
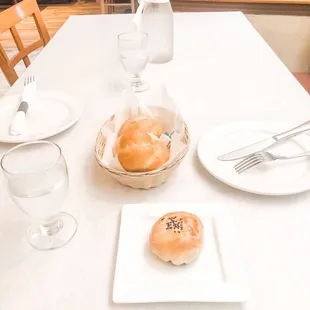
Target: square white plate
(216,276)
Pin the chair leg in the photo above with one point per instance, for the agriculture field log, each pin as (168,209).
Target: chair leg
(132,4)
(110,8)
(103,7)
(9,73)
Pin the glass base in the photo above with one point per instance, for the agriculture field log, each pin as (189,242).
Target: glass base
(52,235)
(139,86)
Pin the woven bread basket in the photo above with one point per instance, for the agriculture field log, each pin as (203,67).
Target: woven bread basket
(142,180)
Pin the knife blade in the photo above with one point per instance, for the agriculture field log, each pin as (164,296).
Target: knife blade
(248,150)
(264,144)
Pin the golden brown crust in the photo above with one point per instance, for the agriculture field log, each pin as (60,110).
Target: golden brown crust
(143,124)
(177,237)
(138,152)
(137,149)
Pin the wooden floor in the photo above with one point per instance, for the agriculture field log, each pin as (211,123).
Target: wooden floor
(274,7)
(56,15)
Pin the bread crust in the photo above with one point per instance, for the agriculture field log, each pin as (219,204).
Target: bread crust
(177,237)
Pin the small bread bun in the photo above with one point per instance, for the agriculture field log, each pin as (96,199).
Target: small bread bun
(177,237)
(138,152)
(143,124)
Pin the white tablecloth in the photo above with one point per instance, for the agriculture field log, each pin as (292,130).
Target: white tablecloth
(222,71)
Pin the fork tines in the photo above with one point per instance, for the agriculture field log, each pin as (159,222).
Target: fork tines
(28,80)
(248,162)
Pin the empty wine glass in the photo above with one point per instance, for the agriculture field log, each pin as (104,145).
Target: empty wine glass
(134,58)
(37,180)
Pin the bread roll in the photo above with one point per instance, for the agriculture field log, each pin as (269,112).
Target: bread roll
(177,237)
(143,124)
(138,152)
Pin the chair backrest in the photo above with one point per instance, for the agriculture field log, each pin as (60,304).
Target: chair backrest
(8,19)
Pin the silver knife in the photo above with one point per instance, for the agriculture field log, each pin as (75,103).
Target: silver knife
(264,144)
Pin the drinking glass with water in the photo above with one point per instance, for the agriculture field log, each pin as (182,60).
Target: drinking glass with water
(134,58)
(37,181)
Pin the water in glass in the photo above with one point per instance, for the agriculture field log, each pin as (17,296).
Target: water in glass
(40,195)
(134,58)
(134,62)
(37,181)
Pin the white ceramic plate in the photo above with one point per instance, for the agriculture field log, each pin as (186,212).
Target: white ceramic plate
(141,277)
(272,178)
(50,114)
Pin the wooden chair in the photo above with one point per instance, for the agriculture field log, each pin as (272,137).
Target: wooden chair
(108,6)
(9,18)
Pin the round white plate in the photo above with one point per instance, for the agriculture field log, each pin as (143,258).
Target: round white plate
(285,177)
(50,114)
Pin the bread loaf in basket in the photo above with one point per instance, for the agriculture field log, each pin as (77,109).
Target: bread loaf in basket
(144,180)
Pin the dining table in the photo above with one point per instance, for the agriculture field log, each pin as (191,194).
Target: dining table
(222,71)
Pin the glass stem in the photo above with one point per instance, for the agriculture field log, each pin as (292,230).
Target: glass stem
(51,227)
(136,80)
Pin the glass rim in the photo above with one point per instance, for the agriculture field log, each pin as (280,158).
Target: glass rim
(132,32)
(30,143)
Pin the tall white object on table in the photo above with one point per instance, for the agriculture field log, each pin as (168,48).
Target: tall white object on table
(157,21)
(222,71)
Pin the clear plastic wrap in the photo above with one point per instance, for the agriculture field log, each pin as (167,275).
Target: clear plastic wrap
(160,106)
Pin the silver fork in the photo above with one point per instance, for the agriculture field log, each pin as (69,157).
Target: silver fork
(261,157)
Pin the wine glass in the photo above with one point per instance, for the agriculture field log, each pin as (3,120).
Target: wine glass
(37,181)
(133,56)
